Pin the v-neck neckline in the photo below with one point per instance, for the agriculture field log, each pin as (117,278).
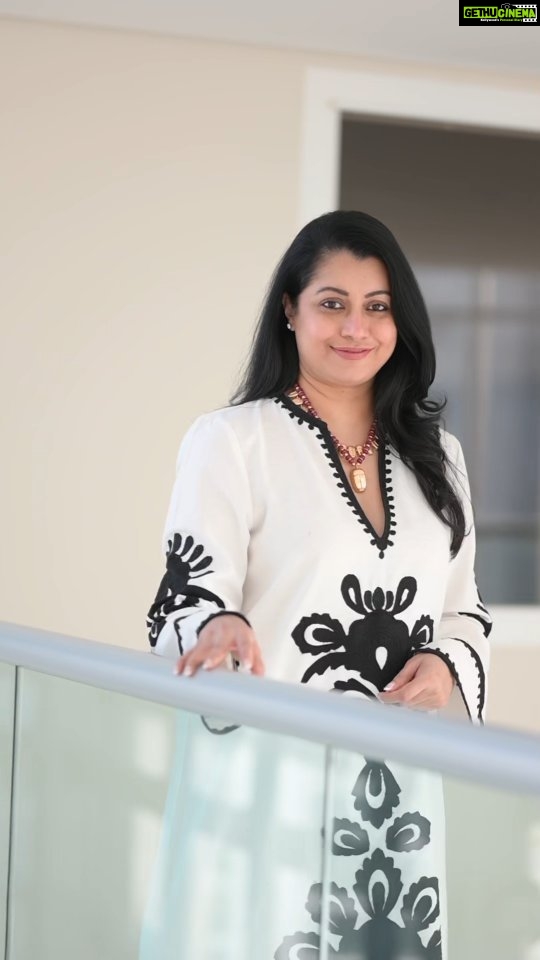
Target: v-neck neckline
(384,468)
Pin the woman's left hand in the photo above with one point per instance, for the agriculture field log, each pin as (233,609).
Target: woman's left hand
(424,683)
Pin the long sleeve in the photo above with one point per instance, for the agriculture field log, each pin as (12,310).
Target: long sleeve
(462,637)
(206,537)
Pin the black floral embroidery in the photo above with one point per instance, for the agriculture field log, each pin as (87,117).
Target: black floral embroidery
(302,946)
(376,792)
(363,925)
(186,563)
(377,889)
(409,832)
(350,839)
(376,647)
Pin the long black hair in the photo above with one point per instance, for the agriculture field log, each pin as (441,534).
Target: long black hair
(407,419)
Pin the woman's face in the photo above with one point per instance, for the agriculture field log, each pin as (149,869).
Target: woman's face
(345,335)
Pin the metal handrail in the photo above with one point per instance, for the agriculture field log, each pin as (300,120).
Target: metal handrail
(496,757)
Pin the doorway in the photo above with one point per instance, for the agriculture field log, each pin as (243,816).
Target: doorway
(465,208)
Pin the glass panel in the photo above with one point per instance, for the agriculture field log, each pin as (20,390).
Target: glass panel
(425,866)
(141,834)
(493,863)
(7,711)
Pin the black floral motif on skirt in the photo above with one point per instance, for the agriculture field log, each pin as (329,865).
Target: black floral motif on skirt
(359,923)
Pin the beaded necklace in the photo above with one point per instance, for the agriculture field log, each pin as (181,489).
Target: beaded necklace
(354,455)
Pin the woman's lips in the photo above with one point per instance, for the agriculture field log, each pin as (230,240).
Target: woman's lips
(352,354)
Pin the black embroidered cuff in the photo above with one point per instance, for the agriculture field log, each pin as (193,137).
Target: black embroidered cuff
(453,670)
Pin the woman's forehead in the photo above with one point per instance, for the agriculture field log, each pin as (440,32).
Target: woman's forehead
(343,269)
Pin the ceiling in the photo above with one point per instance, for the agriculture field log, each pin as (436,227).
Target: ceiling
(424,31)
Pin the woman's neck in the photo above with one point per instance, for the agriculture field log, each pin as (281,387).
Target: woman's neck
(348,411)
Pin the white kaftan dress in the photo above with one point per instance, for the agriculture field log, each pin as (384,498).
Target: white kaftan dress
(263,522)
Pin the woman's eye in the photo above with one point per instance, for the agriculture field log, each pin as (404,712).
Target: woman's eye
(331,301)
(374,307)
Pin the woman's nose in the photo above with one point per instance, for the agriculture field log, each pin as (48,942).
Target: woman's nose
(355,324)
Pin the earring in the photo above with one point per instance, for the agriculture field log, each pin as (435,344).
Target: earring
(289,325)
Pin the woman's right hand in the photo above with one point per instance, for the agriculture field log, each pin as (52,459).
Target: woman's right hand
(223,635)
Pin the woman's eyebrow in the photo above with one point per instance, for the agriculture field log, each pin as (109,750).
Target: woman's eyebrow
(345,294)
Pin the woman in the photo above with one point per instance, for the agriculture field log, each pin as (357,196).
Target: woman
(320,531)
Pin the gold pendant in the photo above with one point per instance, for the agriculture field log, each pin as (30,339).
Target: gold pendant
(358,479)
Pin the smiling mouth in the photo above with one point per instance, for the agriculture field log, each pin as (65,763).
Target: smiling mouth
(353,352)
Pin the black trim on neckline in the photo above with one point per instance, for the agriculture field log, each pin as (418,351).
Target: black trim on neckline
(385,478)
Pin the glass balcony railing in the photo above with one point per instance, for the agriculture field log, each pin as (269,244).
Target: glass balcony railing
(130,828)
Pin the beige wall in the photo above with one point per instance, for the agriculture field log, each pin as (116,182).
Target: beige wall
(513,683)
(151,184)
(150,187)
